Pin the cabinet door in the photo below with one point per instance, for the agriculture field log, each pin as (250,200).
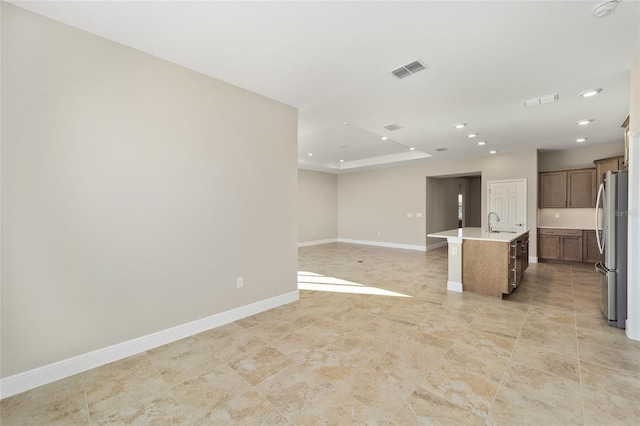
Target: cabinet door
(590,251)
(571,248)
(581,188)
(553,189)
(548,247)
(606,164)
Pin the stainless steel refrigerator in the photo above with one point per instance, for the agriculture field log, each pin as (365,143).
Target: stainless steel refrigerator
(612,242)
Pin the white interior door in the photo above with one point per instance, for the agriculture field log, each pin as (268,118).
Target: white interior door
(508,198)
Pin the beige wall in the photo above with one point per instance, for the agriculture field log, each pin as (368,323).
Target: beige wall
(134,192)
(317,206)
(379,200)
(568,218)
(581,157)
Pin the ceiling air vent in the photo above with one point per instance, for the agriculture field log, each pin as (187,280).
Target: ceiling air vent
(393,126)
(541,100)
(407,70)
(441,149)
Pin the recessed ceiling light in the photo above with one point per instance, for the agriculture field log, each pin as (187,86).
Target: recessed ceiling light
(493,152)
(412,149)
(310,154)
(460,125)
(579,140)
(342,161)
(472,135)
(604,9)
(584,122)
(481,143)
(384,138)
(589,93)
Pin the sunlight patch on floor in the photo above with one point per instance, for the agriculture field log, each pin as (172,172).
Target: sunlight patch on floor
(317,282)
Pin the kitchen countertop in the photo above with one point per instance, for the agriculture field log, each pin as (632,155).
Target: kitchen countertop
(583,228)
(478,234)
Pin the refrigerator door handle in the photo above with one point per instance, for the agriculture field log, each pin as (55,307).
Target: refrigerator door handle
(598,230)
(601,268)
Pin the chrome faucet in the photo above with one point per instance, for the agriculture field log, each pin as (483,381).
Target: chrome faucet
(489,227)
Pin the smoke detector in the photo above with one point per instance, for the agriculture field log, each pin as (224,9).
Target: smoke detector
(604,9)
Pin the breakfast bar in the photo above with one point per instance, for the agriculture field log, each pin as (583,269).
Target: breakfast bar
(490,263)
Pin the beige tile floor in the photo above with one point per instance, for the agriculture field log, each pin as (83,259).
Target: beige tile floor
(542,356)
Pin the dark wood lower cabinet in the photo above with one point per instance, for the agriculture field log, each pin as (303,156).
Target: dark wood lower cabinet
(571,248)
(561,244)
(590,251)
(549,247)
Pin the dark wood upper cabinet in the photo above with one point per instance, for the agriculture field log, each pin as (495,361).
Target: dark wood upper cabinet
(567,188)
(606,164)
(553,189)
(581,188)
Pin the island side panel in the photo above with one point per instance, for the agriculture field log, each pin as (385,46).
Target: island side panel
(485,267)
(455,264)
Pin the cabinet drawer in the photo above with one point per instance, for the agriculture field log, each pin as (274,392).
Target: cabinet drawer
(561,232)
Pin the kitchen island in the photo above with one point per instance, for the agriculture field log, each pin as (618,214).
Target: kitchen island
(490,263)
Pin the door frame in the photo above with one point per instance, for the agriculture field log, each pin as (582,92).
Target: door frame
(524,183)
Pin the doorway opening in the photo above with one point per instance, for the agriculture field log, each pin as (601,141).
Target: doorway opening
(453,201)
(460,208)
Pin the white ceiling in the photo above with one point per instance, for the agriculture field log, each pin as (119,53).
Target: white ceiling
(332,61)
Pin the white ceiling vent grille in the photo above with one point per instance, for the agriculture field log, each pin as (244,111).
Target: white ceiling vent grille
(441,149)
(541,100)
(407,70)
(393,126)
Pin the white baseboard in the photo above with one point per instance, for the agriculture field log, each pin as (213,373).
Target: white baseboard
(437,245)
(382,244)
(22,382)
(533,259)
(317,242)
(454,286)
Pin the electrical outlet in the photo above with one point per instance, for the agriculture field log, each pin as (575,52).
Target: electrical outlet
(379,233)
(454,250)
(240,282)
(313,233)
(557,215)
(418,214)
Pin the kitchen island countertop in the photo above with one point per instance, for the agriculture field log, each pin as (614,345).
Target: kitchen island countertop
(478,234)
